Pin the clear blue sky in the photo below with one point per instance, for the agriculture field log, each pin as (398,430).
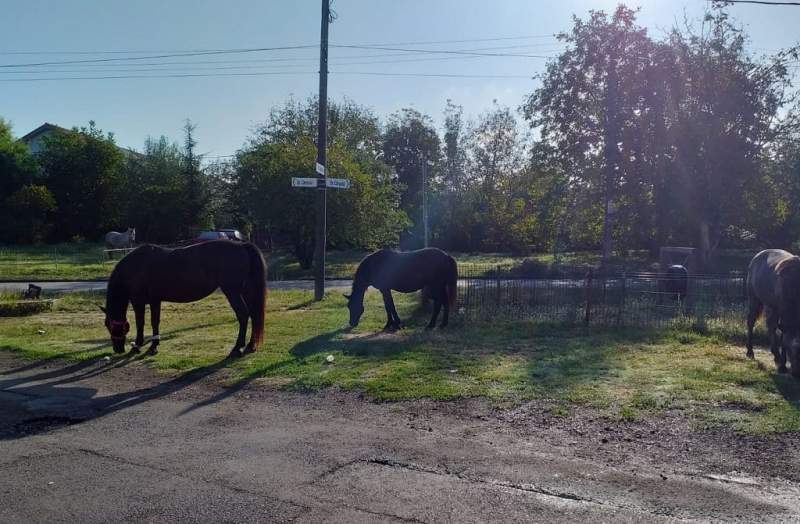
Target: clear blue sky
(226,108)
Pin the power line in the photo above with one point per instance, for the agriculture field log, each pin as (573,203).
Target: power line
(760,2)
(114,77)
(429,75)
(265,73)
(439,51)
(344,60)
(183,51)
(130,58)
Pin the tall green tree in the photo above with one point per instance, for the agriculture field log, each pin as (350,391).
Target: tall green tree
(19,173)
(366,216)
(83,171)
(409,141)
(155,191)
(196,201)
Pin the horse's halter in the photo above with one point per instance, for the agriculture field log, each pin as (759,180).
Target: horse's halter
(115,327)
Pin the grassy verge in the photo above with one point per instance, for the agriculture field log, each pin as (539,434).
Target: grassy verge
(625,373)
(85,261)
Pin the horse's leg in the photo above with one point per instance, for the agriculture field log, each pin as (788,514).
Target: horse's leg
(753,311)
(138,312)
(772,326)
(250,302)
(446,304)
(396,318)
(242,315)
(387,301)
(437,306)
(155,320)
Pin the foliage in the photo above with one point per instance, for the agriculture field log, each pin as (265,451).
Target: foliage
(409,141)
(681,135)
(17,170)
(83,171)
(155,189)
(366,215)
(29,214)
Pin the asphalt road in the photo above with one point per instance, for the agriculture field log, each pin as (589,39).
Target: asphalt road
(109,441)
(64,287)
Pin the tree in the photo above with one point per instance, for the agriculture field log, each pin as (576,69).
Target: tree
(367,215)
(726,113)
(29,215)
(410,139)
(155,189)
(83,169)
(590,104)
(18,169)
(195,184)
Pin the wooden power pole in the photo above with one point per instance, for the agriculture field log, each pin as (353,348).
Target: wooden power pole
(322,139)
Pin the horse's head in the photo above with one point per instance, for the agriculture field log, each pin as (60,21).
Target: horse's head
(118,329)
(132,235)
(356,308)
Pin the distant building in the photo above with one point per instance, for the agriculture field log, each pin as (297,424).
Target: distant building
(35,140)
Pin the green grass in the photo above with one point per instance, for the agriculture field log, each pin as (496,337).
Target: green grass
(85,261)
(627,374)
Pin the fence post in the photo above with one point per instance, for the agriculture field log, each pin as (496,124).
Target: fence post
(497,284)
(621,308)
(587,313)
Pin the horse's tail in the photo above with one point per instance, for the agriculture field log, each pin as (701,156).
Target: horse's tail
(451,286)
(257,290)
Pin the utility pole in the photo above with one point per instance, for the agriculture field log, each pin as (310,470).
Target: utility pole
(611,154)
(322,139)
(425,199)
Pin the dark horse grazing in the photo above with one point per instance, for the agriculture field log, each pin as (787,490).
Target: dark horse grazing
(388,270)
(152,275)
(773,284)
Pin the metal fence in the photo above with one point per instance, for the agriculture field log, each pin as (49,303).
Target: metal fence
(591,298)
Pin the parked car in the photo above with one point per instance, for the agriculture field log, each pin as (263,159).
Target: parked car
(234,234)
(222,234)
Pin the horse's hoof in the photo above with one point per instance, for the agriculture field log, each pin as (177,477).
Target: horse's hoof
(135,350)
(249,349)
(429,327)
(235,353)
(153,350)
(750,354)
(782,369)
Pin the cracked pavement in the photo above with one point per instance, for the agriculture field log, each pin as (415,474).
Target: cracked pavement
(112,441)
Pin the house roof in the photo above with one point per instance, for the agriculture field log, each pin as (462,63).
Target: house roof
(47,127)
(44,128)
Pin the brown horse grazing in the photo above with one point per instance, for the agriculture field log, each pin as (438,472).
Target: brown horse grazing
(388,270)
(152,275)
(773,284)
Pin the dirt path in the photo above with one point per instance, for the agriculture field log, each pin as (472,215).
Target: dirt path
(111,441)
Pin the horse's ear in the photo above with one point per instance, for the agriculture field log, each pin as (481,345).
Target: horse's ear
(345,295)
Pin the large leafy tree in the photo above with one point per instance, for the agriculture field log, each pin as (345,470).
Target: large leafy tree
(367,215)
(155,189)
(83,169)
(409,142)
(589,107)
(18,175)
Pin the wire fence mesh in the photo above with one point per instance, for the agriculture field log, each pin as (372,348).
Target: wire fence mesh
(603,299)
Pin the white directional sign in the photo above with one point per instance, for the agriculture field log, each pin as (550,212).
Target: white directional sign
(304,182)
(321,183)
(320,169)
(337,183)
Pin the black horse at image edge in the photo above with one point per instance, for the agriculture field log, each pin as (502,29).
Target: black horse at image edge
(386,270)
(150,275)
